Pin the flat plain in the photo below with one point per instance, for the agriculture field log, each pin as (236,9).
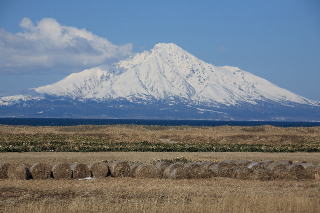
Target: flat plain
(152,194)
(119,138)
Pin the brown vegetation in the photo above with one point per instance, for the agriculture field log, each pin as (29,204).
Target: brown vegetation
(176,134)
(124,194)
(146,171)
(4,170)
(180,168)
(99,170)
(92,157)
(19,171)
(62,171)
(159,195)
(119,168)
(80,170)
(40,171)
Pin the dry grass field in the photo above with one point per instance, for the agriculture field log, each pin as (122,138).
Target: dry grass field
(89,157)
(41,144)
(159,138)
(157,195)
(176,134)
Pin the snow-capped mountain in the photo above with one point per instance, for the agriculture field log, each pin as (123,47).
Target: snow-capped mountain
(14,99)
(167,71)
(168,81)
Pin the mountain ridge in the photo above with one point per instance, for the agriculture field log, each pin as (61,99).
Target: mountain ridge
(169,71)
(165,81)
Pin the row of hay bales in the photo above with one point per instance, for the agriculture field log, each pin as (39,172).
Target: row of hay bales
(241,169)
(58,171)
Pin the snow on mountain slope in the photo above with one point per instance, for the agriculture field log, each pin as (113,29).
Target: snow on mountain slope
(10,100)
(166,72)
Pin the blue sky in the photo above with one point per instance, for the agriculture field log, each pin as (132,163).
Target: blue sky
(276,39)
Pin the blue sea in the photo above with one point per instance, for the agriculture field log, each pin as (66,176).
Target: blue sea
(74,122)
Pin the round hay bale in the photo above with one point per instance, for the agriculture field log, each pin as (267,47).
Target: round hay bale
(307,165)
(243,173)
(119,169)
(259,171)
(226,168)
(280,170)
(311,169)
(4,170)
(19,171)
(175,171)
(161,166)
(133,167)
(40,171)
(253,164)
(213,169)
(240,169)
(198,170)
(243,163)
(298,171)
(80,170)
(316,172)
(62,171)
(261,164)
(146,171)
(99,170)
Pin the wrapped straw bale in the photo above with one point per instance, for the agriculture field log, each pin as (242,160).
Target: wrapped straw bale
(99,170)
(317,172)
(119,169)
(133,168)
(213,168)
(243,173)
(298,171)
(243,163)
(146,171)
(40,171)
(161,166)
(175,171)
(62,171)
(261,164)
(80,170)
(19,171)
(197,170)
(307,165)
(4,170)
(258,171)
(280,170)
(226,168)
(312,169)
(240,170)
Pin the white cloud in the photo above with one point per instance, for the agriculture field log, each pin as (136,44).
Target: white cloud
(48,45)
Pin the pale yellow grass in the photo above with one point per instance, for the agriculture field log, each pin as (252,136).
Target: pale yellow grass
(158,195)
(179,134)
(90,157)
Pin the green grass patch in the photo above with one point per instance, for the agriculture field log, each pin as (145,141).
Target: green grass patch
(95,146)
(103,143)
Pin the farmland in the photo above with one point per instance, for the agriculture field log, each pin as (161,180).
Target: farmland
(127,194)
(157,195)
(126,138)
(154,195)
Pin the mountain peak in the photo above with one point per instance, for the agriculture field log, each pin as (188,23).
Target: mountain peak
(170,80)
(168,71)
(166,46)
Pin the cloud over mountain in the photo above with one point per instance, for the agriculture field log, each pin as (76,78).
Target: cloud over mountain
(48,45)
